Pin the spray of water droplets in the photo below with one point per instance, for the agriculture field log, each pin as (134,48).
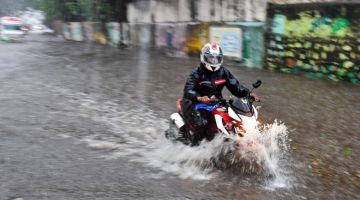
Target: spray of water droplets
(139,135)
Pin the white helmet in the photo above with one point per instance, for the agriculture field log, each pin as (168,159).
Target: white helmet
(211,56)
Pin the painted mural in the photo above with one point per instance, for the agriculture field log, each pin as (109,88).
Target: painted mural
(76,31)
(171,38)
(312,24)
(99,33)
(125,34)
(230,40)
(253,46)
(89,31)
(140,34)
(118,34)
(113,29)
(93,31)
(317,46)
(66,31)
(197,36)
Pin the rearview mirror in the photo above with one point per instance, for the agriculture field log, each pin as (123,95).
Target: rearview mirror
(257,84)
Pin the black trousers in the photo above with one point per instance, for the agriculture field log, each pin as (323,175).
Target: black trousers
(199,120)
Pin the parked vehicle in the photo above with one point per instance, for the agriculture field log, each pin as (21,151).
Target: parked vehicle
(40,29)
(11,29)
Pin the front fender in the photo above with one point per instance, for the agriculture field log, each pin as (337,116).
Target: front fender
(220,125)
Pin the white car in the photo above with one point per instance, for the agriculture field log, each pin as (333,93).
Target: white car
(40,29)
(11,29)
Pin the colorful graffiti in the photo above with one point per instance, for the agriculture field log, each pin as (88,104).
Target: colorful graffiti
(140,34)
(113,29)
(333,58)
(197,36)
(118,34)
(93,31)
(99,33)
(76,31)
(125,34)
(278,24)
(171,38)
(230,40)
(66,31)
(316,46)
(253,46)
(312,24)
(89,31)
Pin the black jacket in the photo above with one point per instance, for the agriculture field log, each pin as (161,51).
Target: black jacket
(192,88)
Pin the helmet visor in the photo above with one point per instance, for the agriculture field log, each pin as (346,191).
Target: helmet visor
(213,59)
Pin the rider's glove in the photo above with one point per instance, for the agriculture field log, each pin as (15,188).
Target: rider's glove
(254,96)
(203,99)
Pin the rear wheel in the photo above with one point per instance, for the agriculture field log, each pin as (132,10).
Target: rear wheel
(175,135)
(172,132)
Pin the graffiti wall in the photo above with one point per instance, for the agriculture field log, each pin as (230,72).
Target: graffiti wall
(89,31)
(171,38)
(253,46)
(113,29)
(118,34)
(252,43)
(94,31)
(140,34)
(76,31)
(99,33)
(315,44)
(125,34)
(66,31)
(230,40)
(313,24)
(197,35)
(57,26)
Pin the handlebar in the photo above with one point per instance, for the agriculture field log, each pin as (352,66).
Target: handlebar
(251,99)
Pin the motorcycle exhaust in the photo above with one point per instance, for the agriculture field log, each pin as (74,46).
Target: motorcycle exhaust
(177,120)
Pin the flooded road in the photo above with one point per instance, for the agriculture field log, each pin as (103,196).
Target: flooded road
(83,121)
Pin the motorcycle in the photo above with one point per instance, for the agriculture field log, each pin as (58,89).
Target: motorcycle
(232,117)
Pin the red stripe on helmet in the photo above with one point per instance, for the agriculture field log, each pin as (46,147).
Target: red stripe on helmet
(214,46)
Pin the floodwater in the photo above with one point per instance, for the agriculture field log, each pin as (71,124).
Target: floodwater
(85,121)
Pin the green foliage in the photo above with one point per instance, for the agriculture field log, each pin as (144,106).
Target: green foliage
(51,8)
(77,10)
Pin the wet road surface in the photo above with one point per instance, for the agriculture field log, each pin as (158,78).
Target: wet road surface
(83,121)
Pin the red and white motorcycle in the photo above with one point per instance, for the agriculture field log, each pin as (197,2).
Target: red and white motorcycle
(233,117)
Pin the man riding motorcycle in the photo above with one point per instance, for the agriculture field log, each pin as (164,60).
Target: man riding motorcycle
(210,69)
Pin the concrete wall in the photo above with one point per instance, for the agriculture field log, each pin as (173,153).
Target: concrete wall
(182,27)
(57,26)
(311,1)
(171,38)
(206,11)
(158,11)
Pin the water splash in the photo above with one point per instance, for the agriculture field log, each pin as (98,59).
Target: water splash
(139,136)
(261,151)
